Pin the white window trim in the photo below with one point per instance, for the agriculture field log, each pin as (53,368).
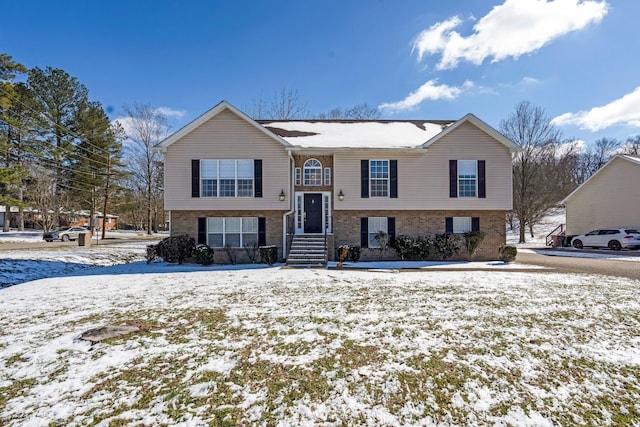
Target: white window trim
(217,178)
(475,179)
(388,178)
(304,170)
(224,231)
(298,176)
(462,224)
(327,176)
(372,242)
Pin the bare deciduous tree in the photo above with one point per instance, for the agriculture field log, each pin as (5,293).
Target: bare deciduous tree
(632,146)
(145,127)
(357,112)
(537,185)
(284,105)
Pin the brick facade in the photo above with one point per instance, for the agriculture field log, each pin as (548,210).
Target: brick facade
(346,228)
(326,161)
(186,222)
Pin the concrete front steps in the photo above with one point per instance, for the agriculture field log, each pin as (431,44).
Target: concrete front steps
(307,250)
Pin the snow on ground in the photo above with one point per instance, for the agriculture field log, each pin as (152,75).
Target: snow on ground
(274,346)
(32,236)
(553,219)
(19,266)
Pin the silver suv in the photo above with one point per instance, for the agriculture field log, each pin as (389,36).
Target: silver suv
(612,238)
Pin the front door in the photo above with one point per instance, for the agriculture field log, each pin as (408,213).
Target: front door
(313,213)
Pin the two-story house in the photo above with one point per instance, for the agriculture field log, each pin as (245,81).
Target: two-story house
(231,181)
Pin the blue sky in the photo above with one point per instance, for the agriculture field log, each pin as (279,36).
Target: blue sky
(578,59)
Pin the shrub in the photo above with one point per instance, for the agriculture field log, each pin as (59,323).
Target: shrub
(152,253)
(445,245)
(413,248)
(405,246)
(354,253)
(507,253)
(203,255)
(231,254)
(268,254)
(176,248)
(252,252)
(472,240)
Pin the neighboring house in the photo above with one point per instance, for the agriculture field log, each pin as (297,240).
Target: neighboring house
(609,198)
(233,181)
(83,219)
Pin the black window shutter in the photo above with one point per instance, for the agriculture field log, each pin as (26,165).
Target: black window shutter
(391,230)
(453,178)
(195,178)
(448,225)
(262,231)
(482,179)
(475,224)
(202,231)
(364,232)
(364,179)
(393,173)
(257,178)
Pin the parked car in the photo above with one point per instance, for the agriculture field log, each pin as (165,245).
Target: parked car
(64,233)
(612,238)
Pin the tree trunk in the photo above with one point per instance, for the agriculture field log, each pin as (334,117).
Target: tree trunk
(7,218)
(106,199)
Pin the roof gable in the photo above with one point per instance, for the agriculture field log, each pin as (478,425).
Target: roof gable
(470,118)
(633,160)
(222,106)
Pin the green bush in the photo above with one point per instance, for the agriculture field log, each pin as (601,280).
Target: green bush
(152,253)
(472,240)
(507,253)
(413,248)
(268,254)
(175,248)
(354,253)
(203,255)
(445,246)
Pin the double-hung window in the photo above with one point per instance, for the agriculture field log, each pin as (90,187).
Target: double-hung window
(379,178)
(209,178)
(226,178)
(234,232)
(376,225)
(461,224)
(467,178)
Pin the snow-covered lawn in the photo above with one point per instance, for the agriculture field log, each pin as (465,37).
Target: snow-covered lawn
(275,346)
(19,266)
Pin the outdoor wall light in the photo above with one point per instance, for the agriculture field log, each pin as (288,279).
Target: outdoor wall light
(341,195)
(282,195)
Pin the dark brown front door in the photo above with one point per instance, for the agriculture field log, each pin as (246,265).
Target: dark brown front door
(313,213)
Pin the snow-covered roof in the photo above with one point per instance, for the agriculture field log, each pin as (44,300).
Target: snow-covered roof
(355,133)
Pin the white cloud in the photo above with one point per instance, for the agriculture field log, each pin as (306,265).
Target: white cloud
(622,111)
(430,90)
(170,112)
(512,29)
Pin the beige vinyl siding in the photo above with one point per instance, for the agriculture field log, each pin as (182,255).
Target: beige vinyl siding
(423,175)
(226,136)
(610,199)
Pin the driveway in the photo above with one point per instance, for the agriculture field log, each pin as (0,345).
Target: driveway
(570,264)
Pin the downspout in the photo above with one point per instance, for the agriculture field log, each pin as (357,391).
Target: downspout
(286,214)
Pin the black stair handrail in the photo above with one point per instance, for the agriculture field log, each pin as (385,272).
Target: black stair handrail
(556,231)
